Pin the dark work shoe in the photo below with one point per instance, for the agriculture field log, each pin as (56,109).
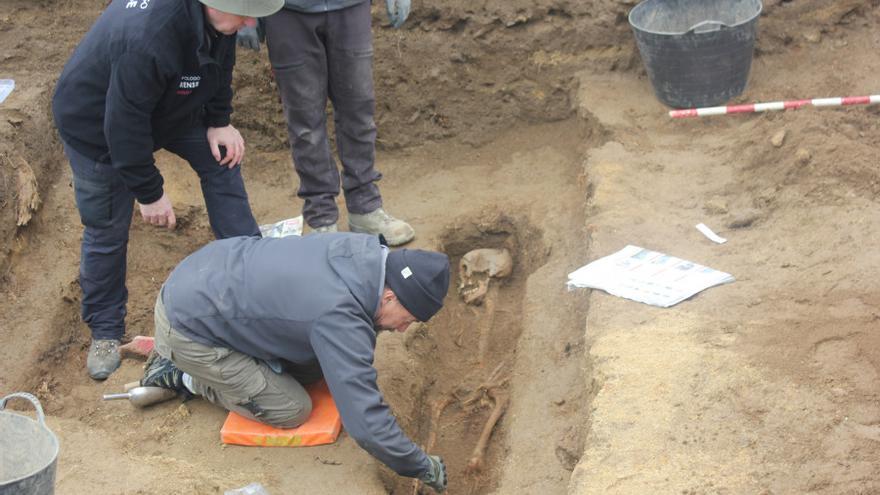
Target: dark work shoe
(161,372)
(103,358)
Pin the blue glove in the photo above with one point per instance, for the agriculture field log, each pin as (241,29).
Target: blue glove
(250,37)
(398,11)
(435,477)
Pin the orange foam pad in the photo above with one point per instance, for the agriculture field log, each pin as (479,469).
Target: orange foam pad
(322,427)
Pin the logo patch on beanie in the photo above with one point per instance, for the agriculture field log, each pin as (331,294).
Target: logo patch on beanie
(406,272)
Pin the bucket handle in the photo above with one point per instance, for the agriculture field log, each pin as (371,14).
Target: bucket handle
(707,27)
(24,395)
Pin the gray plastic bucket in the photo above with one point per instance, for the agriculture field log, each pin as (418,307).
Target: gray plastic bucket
(697,53)
(28,451)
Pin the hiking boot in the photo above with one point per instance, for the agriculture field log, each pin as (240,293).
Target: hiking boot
(103,358)
(324,228)
(161,372)
(396,231)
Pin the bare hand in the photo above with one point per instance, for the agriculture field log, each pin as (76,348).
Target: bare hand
(159,213)
(229,138)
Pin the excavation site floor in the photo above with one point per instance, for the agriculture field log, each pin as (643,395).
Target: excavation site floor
(528,128)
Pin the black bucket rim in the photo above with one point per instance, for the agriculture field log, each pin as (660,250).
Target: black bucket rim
(632,24)
(40,423)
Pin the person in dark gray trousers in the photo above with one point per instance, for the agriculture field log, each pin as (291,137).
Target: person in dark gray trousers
(149,75)
(322,49)
(245,322)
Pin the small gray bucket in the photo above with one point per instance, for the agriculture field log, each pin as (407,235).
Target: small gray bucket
(28,451)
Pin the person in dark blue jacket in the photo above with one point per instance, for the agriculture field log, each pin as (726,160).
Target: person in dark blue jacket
(149,75)
(245,322)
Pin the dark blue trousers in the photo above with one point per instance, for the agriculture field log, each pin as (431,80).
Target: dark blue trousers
(106,207)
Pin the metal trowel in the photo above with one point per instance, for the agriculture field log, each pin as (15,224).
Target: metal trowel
(143,396)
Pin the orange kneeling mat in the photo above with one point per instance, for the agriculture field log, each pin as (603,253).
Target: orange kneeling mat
(322,427)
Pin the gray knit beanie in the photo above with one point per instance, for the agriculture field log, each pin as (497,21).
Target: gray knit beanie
(419,279)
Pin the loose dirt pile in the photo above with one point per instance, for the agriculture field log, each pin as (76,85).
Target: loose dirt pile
(530,127)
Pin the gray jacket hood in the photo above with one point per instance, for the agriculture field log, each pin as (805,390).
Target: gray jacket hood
(355,263)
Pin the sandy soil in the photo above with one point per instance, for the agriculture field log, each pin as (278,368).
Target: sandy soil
(529,126)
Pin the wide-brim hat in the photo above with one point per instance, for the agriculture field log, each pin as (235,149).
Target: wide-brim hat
(247,8)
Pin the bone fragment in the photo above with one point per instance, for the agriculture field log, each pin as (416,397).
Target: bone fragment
(493,381)
(27,194)
(477,461)
(437,408)
(486,323)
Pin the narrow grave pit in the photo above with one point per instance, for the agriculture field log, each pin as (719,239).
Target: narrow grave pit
(454,400)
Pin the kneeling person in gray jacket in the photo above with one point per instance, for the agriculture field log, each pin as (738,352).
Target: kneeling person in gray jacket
(245,322)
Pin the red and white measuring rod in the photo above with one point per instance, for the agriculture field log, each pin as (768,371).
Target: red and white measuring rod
(775,105)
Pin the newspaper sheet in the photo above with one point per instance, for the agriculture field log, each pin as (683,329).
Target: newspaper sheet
(284,228)
(6,87)
(647,276)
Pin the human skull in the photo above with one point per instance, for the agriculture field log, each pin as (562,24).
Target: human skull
(477,267)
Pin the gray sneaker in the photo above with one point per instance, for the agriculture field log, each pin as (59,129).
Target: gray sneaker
(103,358)
(396,231)
(326,228)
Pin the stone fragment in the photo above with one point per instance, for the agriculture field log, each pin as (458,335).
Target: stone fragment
(803,156)
(778,139)
(715,206)
(744,219)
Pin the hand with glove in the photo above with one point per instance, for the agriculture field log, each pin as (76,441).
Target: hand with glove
(251,37)
(435,477)
(398,11)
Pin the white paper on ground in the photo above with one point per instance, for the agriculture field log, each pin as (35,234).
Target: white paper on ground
(6,87)
(284,228)
(712,236)
(647,276)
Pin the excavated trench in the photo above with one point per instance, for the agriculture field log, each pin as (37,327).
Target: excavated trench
(519,354)
(457,397)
